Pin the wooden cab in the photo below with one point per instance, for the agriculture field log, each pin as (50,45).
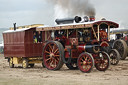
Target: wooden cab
(19,43)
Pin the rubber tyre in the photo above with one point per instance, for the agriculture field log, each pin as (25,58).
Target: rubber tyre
(25,63)
(11,65)
(60,52)
(121,47)
(114,57)
(43,65)
(101,60)
(85,59)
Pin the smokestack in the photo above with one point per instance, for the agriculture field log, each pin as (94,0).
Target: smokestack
(92,18)
(68,20)
(14,26)
(86,19)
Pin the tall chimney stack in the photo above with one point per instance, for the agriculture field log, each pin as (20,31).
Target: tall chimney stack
(14,26)
(92,18)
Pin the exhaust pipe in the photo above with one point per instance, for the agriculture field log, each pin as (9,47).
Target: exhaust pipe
(68,20)
(14,26)
(92,18)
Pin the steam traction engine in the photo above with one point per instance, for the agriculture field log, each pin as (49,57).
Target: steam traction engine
(121,41)
(77,45)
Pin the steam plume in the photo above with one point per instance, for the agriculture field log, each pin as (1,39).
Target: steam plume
(70,8)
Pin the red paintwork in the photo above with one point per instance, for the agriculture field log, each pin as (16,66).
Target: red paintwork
(81,48)
(73,41)
(75,53)
(94,42)
(66,54)
(73,35)
(104,44)
(108,23)
(86,61)
(20,44)
(48,56)
(126,38)
(67,42)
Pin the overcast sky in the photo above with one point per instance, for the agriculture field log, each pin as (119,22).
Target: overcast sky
(26,12)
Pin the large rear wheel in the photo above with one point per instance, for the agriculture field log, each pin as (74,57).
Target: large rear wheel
(102,62)
(85,62)
(121,47)
(52,55)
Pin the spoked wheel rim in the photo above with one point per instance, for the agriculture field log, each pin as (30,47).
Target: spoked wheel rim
(52,55)
(114,57)
(102,62)
(11,63)
(25,63)
(85,62)
(121,47)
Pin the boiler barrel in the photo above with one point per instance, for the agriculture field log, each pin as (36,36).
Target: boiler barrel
(68,20)
(64,21)
(89,48)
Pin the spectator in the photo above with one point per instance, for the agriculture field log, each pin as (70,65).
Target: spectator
(39,38)
(34,37)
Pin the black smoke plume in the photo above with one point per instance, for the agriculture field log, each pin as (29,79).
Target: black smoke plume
(69,8)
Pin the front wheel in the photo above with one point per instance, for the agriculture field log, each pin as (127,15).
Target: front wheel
(114,57)
(102,61)
(85,62)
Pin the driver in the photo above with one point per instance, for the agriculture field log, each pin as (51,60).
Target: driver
(58,33)
(86,35)
(72,33)
(103,34)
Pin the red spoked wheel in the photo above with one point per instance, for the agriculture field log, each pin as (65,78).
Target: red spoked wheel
(52,55)
(102,62)
(85,62)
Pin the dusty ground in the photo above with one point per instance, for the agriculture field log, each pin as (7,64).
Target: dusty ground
(115,75)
